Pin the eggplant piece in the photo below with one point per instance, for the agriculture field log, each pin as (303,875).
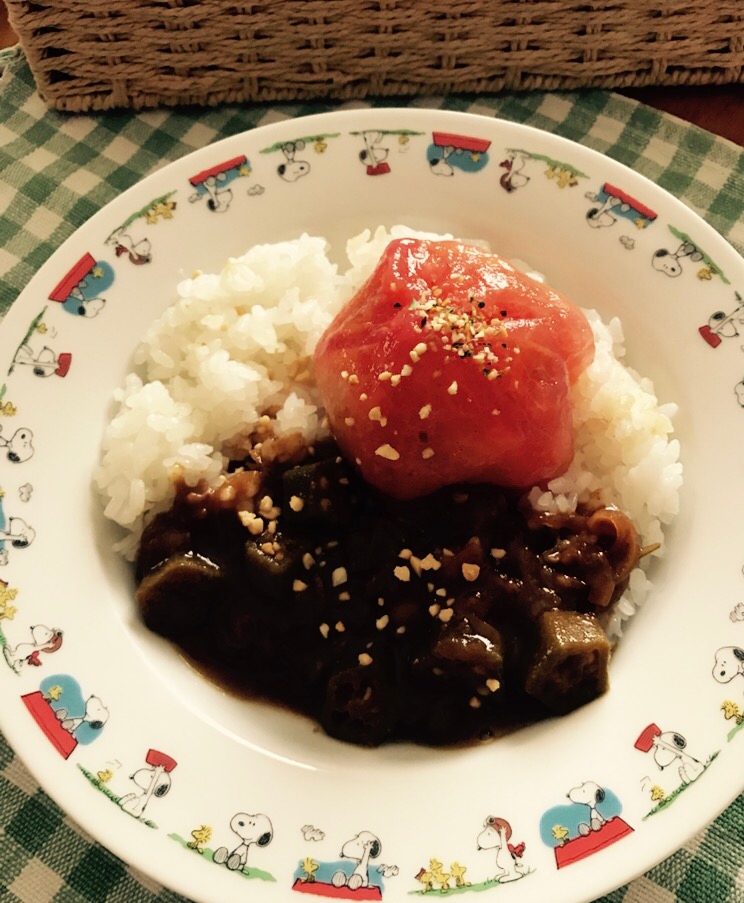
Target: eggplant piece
(178,598)
(570,667)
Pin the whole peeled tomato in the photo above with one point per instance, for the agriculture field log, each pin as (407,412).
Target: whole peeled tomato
(449,365)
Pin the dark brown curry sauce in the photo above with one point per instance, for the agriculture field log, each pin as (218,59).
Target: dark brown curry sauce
(449,617)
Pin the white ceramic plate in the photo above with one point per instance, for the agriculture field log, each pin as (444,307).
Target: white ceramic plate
(608,238)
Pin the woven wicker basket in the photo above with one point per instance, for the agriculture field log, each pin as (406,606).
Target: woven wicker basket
(98,54)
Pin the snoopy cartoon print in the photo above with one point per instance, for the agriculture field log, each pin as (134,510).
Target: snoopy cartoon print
(152,782)
(669,748)
(294,164)
(669,752)
(587,824)
(19,447)
(130,240)
(214,183)
(65,715)
(353,876)
(374,155)
(43,362)
(562,174)
(449,152)
(251,831)
(43,639)
(722,325)
(611,203)
(495,837)
(80,289)
(729,663)
(672,262)
(14,533)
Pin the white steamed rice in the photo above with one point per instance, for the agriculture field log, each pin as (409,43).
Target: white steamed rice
(238,345)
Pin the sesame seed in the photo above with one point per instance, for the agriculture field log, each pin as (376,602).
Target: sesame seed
(441,592)
(498,553)
(470,571)
(267,547)
(405,554)
(272,527)
(493,684)
(401,629)
(387,451)
(427,453)
(385,375)
(395,379)
(474,703)
(382,623)
(363,396)
(425,411)
(376,414)
(402,573)
(416,565)
(339,626)
(324,629)
(349,421)
(296,503)
(380,600)
(344,596)
(298,586)
(353,378)
(338,576)
(308,561)
(406,370)
(344,374)
(365,659)
(434,609)
(452,387)
(446,614)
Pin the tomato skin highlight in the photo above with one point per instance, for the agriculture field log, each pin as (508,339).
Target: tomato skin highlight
(449,366)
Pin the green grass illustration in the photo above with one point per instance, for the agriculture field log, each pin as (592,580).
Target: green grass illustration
(683,236)
(668,800)
(135,216)
(208,854)
(99,785)
(308,139)
(558,164)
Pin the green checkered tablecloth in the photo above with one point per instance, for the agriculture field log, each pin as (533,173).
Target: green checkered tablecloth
(57,170)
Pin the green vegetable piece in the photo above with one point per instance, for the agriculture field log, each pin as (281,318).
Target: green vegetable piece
(471,642)
(177,598)
(570,666)
(272,564)
(318,494)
